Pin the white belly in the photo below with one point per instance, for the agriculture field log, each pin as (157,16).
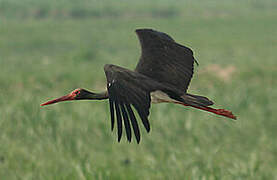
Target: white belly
(159,97)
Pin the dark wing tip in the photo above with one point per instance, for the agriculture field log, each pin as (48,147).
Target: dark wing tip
(160,35)
(147,127)
(133,122)
(126,123)
(145,121)
(119,121)
(143,30)
(112,113)
(196,62)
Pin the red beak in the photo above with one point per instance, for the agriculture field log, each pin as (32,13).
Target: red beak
(68,97)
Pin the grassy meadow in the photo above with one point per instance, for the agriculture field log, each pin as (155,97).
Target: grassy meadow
(48,48)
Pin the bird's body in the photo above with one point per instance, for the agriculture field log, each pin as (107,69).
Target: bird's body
(163,74)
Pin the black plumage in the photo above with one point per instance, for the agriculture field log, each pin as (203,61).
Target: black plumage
(162,74)
(164,60)
(164,65)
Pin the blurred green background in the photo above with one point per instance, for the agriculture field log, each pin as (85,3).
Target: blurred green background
(48,48)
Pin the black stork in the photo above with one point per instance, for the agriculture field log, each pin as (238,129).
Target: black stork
(162,74)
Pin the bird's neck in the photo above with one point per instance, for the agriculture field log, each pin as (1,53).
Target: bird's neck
(94,96)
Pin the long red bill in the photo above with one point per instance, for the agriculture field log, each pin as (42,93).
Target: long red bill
(63,98)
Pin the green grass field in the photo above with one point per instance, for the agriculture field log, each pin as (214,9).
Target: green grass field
(48,48)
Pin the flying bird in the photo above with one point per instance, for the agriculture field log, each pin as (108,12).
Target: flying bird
(163,74)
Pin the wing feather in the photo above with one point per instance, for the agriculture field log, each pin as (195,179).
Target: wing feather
(112,113)
(119,121)
(127,88)
(164,60)
(126,123)
(134,122)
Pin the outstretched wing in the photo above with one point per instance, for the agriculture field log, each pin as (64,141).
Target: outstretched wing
(125,91)
(164,60)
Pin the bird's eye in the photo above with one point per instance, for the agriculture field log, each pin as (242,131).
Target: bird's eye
(76,92)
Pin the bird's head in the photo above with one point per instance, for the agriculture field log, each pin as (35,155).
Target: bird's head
(76,94)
